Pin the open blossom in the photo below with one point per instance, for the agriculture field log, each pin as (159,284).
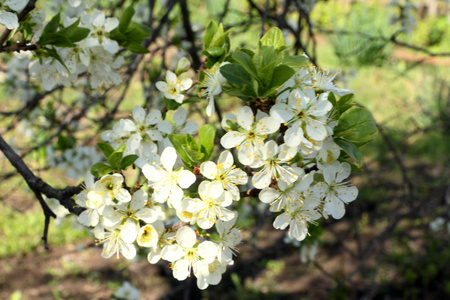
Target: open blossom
(100,26)
(131,212)
(208,209)
(225,175)
(297,216)
(156,240)
(335,190)
(117,240)
(276,165)
(173,86)
(166,182)
(279,198)
(323,80)
(109,187)
(304,111)
(229,238)
(186,255)
(249,140)
(9,19)
(211,86)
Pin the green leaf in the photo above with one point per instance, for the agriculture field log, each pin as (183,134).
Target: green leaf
(280,75)
(194,155)
(136,47)
(274,37)
(206,137)
(52,25)
(115,158)
(214,51)
(191,143)
(79,34)
(355,125)
(125,19)
(171,104)
(350,149)
(209,33)
(137,34)
(345,103)
(128,161)
(101,169)
(51,52)
(236,74)
(245,61)
(107,149)
(294,62)
(178,141)
(55,39)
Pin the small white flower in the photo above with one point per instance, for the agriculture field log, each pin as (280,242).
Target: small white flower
(276,165)
(116,240)
(168,184)
(186,255)
(211,86)
(99,26)
(249,140)
(336,191)
(225,175)
(173,86)
(297,216)
(207,210)
(230,237)
(304,111)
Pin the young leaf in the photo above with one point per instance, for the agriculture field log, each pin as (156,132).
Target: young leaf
(52,25)
(280,75)
(236,74)
(214,51)
(294,62)
(274,37)
(206,137)
(55,39)
(128,161)
(246,61)
(345,103)
(115,158)
(194,155)
(100,169)
(125,19)
(209,33)
(191,143)
(107,149)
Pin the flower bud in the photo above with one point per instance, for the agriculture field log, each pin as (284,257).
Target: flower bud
(182,66)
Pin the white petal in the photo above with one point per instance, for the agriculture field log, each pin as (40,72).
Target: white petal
(245,117)
(209,169)
(139,114)
(268,195)
(186,237)
(347,194)
(282,221)
(9,19)
(186,178)
(153,117)
(343,172)
(168,158)
(232,139)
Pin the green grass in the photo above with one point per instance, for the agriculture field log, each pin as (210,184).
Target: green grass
(21,233)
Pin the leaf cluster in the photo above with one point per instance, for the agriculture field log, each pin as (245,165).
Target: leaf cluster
(130,34)
(193,153)
(116,161)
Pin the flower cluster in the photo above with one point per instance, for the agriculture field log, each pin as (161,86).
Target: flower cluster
(185,213)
